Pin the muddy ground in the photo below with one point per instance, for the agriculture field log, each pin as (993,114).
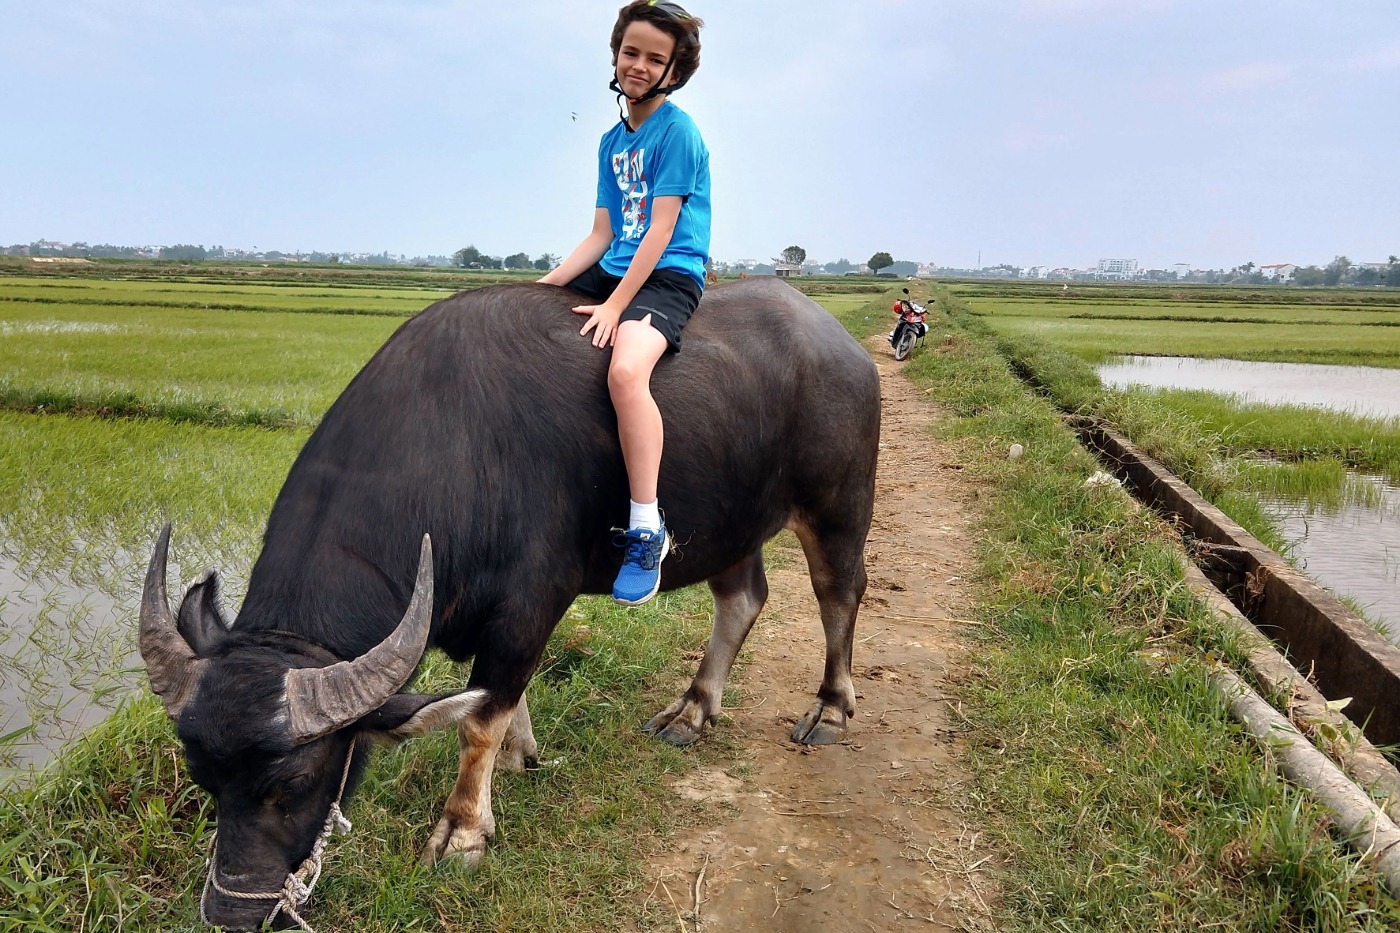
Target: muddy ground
(868,834)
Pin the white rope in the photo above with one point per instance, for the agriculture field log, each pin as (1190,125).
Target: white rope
(296,889)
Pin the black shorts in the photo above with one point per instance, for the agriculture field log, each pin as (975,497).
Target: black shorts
(670,298)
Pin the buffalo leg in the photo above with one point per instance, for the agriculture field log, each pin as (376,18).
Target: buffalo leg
(467,822)
(740,593)
(519,751)
(836,563)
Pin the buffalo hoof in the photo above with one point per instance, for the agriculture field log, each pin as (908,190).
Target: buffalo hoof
(823,724)
(466,845)
(679,724)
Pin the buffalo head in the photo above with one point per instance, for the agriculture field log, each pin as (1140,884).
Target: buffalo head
(268,722)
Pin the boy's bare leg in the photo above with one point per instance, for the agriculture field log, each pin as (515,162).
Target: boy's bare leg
(636,350)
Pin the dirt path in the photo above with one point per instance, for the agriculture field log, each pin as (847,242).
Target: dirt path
(865,835)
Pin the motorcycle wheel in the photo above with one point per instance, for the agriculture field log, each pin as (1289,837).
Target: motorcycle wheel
(904,343)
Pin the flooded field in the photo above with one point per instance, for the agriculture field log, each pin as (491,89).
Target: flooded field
(66,652)
(1361,390)
(1352,548)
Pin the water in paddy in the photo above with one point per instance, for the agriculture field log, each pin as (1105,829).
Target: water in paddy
(66,659)
(1354,550)
(1364,390)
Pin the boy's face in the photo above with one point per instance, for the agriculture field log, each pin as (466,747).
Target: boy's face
(642,58)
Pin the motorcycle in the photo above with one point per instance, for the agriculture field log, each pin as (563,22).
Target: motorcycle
(912,326)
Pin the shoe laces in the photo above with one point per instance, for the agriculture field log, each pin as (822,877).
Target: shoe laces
(645,554)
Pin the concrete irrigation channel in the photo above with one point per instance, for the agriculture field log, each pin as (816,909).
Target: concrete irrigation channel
(1335,661)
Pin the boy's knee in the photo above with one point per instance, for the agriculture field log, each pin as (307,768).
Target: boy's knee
(625,376)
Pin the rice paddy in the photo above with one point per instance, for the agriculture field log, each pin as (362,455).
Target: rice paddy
(1262,461)
(125,404)
(1133,807)
(1099,322)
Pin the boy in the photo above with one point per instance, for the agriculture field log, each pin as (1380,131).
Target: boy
(644,261)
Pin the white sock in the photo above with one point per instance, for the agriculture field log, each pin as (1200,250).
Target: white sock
(645,515)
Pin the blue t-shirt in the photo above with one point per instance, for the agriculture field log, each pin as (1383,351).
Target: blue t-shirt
(665,157)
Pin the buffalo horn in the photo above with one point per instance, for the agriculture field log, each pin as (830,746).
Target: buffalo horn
(171,664)
(321,700)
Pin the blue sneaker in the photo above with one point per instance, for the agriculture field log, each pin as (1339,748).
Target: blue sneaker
(640,576)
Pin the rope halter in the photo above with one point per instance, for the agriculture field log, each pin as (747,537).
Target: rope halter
(297,887)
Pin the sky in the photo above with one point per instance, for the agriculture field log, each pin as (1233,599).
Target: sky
(1030,132)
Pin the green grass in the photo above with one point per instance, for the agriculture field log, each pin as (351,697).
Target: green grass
(145,294)
(83,488)
(1294,433)
(216,367)
(1106,769)
(1324,484)
(841,303)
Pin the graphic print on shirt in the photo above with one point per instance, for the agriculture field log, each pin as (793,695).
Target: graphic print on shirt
(628,169)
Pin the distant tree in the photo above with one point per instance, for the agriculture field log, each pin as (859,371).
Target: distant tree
(517,261)
(1336,271)
(1308,276)
(839,267)
(1392,273)
(546,262)
(182,251)
(880,261)
(1367,275)
(904,268)
(795,255)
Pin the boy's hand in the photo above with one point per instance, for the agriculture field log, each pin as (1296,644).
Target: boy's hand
(603,320)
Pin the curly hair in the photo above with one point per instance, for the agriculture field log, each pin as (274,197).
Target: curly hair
(682,27)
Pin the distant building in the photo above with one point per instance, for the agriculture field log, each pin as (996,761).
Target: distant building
(1279,272)
(1117,268)
(786,270)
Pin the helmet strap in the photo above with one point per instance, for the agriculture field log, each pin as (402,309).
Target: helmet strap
(656,90)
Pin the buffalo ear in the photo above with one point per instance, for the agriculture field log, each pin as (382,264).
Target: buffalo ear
(405,715)
(201,620)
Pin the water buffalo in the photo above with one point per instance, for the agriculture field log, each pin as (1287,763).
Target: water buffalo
(460,494)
